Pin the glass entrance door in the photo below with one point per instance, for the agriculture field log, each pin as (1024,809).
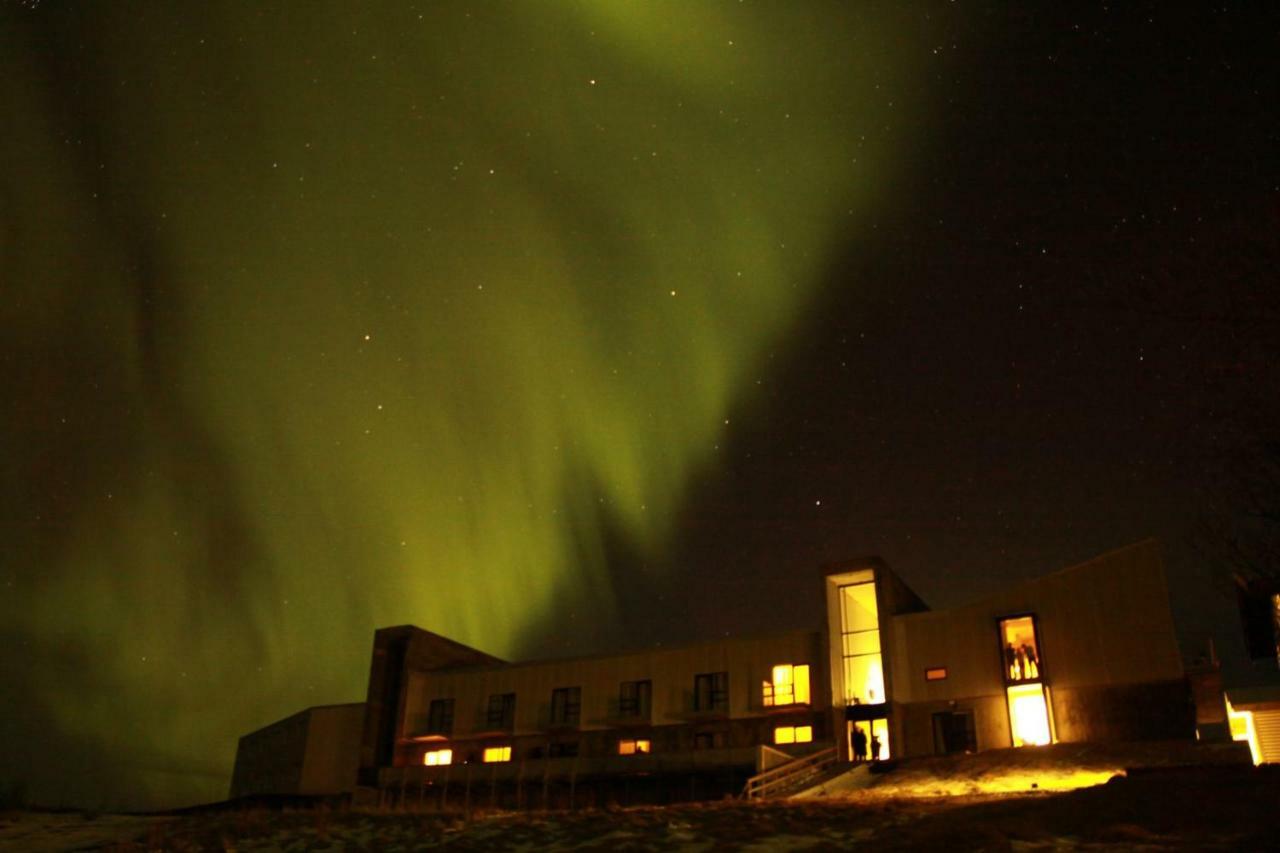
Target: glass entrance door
(868,739)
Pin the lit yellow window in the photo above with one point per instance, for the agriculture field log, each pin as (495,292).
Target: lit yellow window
(790,685)
(437,757)
(793,734)
(497,754)
(640,746)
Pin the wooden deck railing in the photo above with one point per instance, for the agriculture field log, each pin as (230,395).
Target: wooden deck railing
(771,781)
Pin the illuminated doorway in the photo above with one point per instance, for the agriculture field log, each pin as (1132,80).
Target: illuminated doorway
(876,734)
(1029,715)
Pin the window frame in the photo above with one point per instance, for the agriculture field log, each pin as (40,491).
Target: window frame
(566,706)
(717,692)
(442,752)
(635,743)
(794,737)
(500,714)
(640,704)
(769,692)
(442,723)
(1039,649)
(853,639)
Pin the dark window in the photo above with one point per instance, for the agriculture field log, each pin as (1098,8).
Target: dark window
(440,717)
(1260,614)
(711,691)
(953,732)
(708,740)
(501,713)
(1020,650)
(568,749)
(635,699)
(566,706)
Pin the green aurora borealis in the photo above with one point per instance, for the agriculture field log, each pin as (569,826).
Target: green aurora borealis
(322,319)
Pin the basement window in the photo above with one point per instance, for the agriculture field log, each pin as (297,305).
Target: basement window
(793,734)
(563,749)
(637,746)
(437,757)
(790,685)
(497,754)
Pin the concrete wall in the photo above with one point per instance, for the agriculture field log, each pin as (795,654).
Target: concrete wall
(333,749)
(269,760)
(314,751)
(1108,649)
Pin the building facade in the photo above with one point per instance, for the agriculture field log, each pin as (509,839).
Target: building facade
(1085,654)
(314,752)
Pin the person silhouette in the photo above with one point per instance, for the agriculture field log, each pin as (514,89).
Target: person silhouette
(875,747)
(1032,669)
(859,745)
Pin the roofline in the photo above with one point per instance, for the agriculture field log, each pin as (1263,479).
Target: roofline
(504,665)
(976,602)
(414,629)
(307,710)
(839,567)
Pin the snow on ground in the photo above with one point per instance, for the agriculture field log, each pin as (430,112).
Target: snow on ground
(1153,808)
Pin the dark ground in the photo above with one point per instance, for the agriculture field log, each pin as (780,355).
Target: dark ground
(1181,809)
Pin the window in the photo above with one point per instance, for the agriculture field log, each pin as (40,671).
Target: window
(440,717)
(708,740)
(793,734)
(437,757)
(497,754)
(501,713)
(790,685)
(639,746)
(1260,615)
(1021,650)
(563,749)
(566,706)
(635,699)
(935,673)
(860,643)
(711,691)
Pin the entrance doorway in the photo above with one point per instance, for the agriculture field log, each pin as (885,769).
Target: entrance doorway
(953,732)
(876,734)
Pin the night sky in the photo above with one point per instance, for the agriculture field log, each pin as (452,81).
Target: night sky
(568,327)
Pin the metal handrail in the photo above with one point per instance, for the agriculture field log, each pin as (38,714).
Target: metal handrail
(760,784)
